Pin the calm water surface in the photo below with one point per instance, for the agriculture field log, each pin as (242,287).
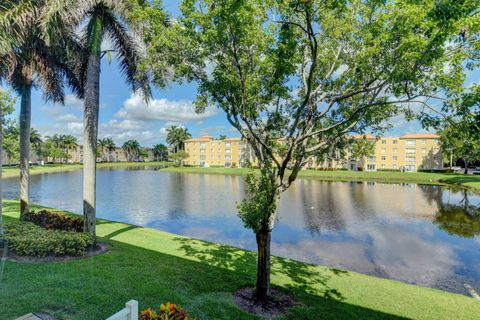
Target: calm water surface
(427,235)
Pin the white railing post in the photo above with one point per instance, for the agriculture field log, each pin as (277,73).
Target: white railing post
(132,307)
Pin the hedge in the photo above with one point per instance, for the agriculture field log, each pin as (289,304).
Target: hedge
(54,220)
(28,239)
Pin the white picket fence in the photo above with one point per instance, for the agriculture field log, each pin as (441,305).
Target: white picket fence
(130,312)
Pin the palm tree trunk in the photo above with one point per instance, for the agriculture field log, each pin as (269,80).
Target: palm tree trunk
(1,169)
(90,132)
(25,123)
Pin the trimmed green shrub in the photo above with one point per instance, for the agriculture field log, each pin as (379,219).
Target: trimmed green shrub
(389,170)
(446,170)
(28,239)
(167,311)
(55,220)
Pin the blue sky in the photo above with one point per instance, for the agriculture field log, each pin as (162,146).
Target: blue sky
(124,116)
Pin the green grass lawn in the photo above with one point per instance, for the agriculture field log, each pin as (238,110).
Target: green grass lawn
(470,181)
(9,172)
(152,267)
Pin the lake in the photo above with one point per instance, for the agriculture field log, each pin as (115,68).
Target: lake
(426,235)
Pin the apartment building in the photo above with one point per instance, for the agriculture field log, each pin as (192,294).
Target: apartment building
(410,152)
(209,152)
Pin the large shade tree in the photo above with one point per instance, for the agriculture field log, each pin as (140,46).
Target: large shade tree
(29,62)
(295,77)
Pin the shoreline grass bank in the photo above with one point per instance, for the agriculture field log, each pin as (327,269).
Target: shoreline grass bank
(153,266)
(453,179)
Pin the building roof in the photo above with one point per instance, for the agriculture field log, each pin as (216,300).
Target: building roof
(420,136)
(365,136)
(209,138)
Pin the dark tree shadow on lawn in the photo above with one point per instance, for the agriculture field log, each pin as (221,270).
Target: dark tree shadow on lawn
(302,277)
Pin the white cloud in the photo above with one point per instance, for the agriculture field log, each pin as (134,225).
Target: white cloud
(75,127)
(135,108)
(69,117)
(72,101)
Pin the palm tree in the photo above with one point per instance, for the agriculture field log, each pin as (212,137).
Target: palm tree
(68,143)
(6,103)
(104,18)
(132,149)
(176,137)
(106,145)
(110,147)
(36,141)
(160,152)
(31,62)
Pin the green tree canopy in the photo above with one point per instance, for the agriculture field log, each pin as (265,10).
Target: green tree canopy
(295,77)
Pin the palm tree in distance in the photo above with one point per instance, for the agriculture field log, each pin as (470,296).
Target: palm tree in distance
(36,141)
(132,149)
(32,62)
(110,147)
(160,152)
(176,137)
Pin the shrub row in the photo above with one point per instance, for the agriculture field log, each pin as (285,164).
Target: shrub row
(389,170)
(28,239)
(446,170)
(53,220)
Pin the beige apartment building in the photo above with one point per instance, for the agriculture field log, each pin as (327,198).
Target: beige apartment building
(410,152)
(209,152)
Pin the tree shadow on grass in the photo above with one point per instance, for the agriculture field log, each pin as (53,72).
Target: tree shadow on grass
(293,275)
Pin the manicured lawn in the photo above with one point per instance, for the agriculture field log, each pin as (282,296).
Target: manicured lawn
(152,267)
(470,181)
(9,172)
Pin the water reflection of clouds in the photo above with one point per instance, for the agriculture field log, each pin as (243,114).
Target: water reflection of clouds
(375,228)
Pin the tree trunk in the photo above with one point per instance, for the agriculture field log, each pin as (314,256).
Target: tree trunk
(466,166)
(262,288)
(25,120)
(90,133)
(1,169)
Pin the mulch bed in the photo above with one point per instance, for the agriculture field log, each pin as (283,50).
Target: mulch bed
(98,249)
(278,305)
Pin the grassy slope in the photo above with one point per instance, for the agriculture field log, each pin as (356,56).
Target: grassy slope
(470,181)
(154,266)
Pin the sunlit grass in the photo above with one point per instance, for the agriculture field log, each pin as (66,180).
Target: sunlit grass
(152,267)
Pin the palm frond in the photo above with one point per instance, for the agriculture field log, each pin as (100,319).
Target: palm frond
(129,53)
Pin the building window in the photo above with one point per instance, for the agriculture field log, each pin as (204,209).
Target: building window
(384,141)
(410,150)
(211,143)
(383,166)
(384,158)
(194,150)
(219,157)
(228,151)
(202,157)
(384,150)
(228,157)
(370,167)
(202,150)
(196,144)
(424,141)
(203,144)
(395,150)
(219,150)
(410,159)
(394,166)
(395,158)
(371,158)
(395,141)
(410,142)
(424,158)
(212,150)
(211,156)
(227,144)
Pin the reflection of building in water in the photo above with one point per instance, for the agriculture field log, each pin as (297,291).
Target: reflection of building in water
(329,206)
